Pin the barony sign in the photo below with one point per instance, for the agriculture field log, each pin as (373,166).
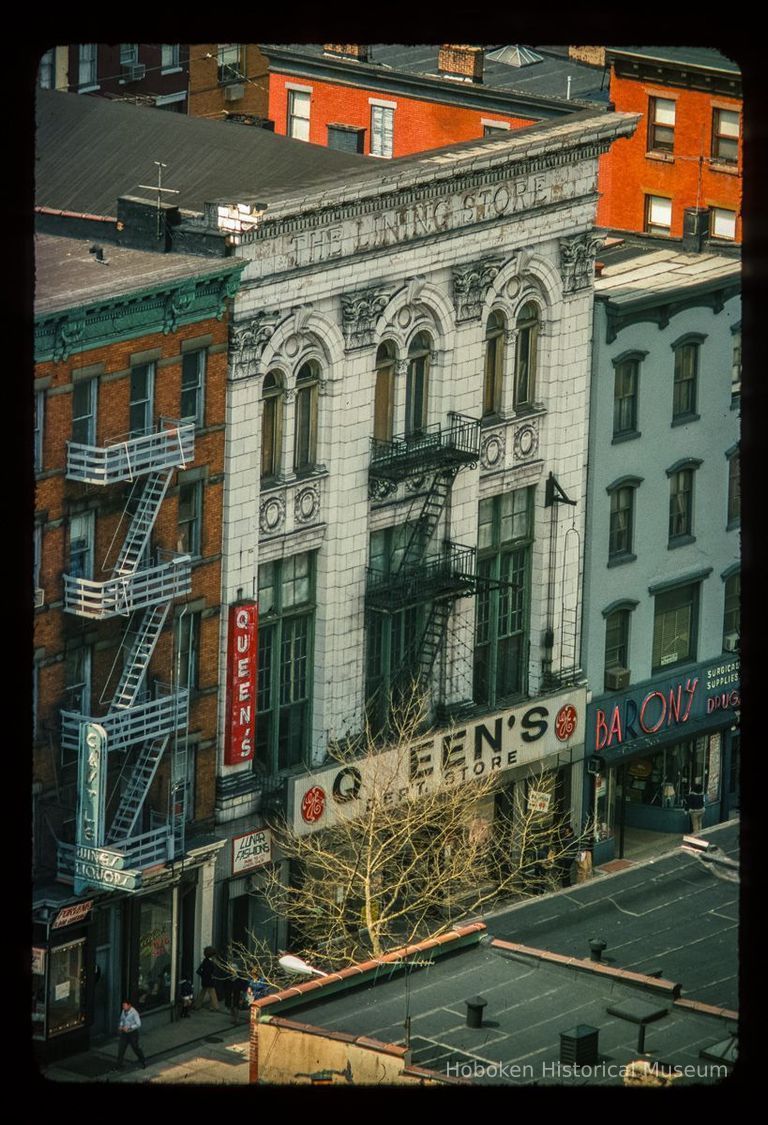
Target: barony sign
(518,736)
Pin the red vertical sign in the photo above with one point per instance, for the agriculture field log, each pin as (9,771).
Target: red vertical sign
(241,683)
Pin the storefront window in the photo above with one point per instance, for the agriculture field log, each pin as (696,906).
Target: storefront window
(66,987)
(155,933)
(664,779)
(38,992)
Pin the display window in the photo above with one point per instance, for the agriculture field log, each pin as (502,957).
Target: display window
(154,950)
(66,988)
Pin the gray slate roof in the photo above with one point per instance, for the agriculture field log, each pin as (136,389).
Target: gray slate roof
(67,274)
(91,150)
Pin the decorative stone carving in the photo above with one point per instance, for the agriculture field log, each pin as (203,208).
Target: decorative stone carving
(177,303)
(306,504)
(577,261)
(492,450)
(250,337)
(525,442)
(415,484)
(271,514)
(401,367)
(359,313)
(301,315)
(380,489)
(470,285)
(69,332)
(414,290)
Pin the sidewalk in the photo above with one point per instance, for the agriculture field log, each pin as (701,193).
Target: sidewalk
(209,1038)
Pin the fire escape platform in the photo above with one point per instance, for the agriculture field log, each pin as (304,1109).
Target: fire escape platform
(431,449)
(125,458)
(450,575)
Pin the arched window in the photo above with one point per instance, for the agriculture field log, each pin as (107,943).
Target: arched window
(271,425)
(417,385)
(305,452)
(527,349)
(494,363)
(384,396)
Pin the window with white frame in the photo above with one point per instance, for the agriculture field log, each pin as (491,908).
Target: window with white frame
(77,679)
(87,74)
(39,429)
(307,385)
(298,114)
(190,518)
(129,54)
(722,223)
(736,363)
(84,399)
(141,402)
(46,70)
(382,130)
(188,651)
(725,135)
(271,425)
(617,640)
(81,539)
(661,124)
(193,386)
(675,626)
(169,56)
(658,215)
(230,66)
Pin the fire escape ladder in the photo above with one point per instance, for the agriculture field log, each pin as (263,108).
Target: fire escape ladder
(139,782)
(144,517)
(427,520)
(139,656)
(434,632)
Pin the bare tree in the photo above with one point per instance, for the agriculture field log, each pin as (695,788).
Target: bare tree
(395,868)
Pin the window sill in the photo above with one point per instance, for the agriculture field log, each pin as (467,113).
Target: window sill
(87,89)
(662,157)
(687,660)
(617,439)
(723,168)
(527,409)
(494,419)
(684,419)
(170,70)
(620,560)
(680,541)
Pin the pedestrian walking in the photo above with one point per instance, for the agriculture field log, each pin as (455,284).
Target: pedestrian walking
(206,971)
(695,804)
(128,1032)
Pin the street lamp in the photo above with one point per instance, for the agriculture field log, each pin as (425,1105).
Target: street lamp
(296,965)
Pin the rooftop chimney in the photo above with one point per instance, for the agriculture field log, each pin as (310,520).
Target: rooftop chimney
(695,228)
(460,61)
(475,1011)
(357,51)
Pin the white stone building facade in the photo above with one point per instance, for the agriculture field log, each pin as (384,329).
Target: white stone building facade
(465,279)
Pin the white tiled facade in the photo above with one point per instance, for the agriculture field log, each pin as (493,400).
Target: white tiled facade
(519,211)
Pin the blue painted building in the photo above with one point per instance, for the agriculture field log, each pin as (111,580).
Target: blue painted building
(661,594)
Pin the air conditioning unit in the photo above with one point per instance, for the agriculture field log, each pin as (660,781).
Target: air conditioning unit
(39,597)
(134,72)
(616,679)
(731,642)
(234,93)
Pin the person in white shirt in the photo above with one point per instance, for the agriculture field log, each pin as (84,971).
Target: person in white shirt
(128,1031)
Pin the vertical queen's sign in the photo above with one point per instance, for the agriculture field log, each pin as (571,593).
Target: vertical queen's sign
(241,683)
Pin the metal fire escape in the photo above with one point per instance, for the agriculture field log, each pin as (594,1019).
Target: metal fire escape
(434,580)
(138,723)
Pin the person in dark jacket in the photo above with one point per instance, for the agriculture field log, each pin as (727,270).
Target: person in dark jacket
(186,996)
(206,972)
(567,847)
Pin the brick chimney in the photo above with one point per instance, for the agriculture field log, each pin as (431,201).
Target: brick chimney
(357,51)
(460,61)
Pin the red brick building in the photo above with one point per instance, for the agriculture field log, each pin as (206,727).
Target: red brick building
(228,80)
(130,386)
(395,100)
(154,74)
(687,151)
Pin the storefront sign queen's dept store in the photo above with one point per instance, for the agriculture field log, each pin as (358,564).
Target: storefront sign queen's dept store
(494,744)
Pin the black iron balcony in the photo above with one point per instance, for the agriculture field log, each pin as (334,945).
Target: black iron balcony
(432,447)
(450,574)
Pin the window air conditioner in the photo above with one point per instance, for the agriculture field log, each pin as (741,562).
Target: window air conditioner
(134,72)
(731,642)
(39,597)
(234,93)
(616,679)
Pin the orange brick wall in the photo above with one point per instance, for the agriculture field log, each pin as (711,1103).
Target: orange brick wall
(627,174)
(206,96)
(418,125)
(54,496)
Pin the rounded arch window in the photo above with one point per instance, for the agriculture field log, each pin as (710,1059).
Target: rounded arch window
(528,324)
(494,363)
(417,385)
(384,395)
(305,448)
(271,424)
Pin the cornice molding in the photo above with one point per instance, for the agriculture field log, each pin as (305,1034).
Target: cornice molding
(82,327)
(661,312)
